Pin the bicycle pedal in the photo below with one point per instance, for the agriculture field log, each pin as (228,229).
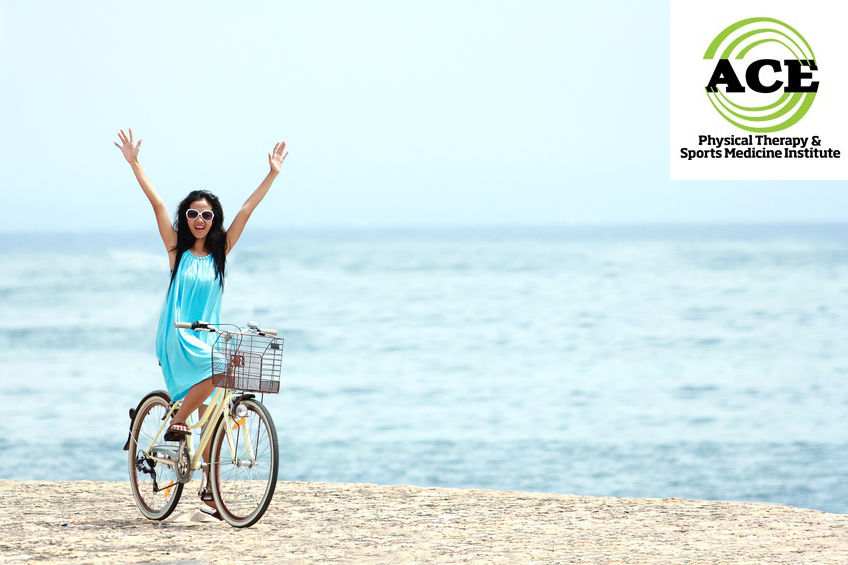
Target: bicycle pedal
(167,451)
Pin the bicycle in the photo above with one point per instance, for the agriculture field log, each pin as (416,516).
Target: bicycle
(244,458)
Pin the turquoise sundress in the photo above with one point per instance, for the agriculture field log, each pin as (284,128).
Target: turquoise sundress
(195,295)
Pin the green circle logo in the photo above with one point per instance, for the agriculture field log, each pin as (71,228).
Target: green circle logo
(762,79)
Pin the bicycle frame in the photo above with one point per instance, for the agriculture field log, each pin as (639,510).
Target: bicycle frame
(216,409)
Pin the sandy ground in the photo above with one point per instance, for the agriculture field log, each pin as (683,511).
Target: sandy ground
(98,522)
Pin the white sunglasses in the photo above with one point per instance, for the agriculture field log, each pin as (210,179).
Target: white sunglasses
(206,215)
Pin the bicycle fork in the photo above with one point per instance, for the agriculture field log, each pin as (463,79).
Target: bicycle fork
(243,432)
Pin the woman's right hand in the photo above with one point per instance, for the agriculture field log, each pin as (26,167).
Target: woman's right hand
(130,152)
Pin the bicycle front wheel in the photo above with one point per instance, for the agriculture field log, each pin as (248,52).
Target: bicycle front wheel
(154,484)
(244,464)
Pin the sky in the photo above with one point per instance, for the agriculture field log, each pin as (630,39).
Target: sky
(395,114)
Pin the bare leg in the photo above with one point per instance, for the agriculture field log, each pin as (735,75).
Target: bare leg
(193,400)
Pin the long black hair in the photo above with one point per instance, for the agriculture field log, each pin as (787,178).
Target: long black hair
(216,238)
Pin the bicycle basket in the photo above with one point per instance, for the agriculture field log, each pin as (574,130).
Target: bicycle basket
(248,362)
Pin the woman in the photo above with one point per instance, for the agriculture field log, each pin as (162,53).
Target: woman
(197,250)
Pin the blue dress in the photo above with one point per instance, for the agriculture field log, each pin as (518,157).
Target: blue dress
(195,295)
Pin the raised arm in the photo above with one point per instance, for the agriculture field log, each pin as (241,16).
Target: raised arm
(166,230)
(275,160)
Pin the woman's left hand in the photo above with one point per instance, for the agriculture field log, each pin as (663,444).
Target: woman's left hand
(276,158)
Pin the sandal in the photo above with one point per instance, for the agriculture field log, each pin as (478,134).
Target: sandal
(209,511)
(177,432)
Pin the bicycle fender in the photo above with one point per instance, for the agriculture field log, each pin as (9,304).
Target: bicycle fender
(133,412)
(245,396)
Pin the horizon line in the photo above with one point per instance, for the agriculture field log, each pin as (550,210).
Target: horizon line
(366,226)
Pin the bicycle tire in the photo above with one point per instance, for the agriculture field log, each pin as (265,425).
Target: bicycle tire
(243,486)
(154,485)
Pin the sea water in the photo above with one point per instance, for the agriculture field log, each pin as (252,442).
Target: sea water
(701,362)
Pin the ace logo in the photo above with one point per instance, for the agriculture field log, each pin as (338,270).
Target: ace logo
(793,75)
(757,90)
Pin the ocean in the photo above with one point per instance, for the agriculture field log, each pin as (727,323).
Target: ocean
(705,362)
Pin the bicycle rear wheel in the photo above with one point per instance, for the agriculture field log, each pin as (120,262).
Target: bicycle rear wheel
(244,464)
(154,484)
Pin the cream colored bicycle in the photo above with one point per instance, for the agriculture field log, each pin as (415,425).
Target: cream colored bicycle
(244,455)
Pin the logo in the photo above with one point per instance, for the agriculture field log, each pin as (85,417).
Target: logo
(763,79)
(780,101)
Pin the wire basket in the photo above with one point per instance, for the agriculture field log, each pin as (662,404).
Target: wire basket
(248,362)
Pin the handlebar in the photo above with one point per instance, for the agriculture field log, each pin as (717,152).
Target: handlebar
(196,326)
(255,327)
(207,327)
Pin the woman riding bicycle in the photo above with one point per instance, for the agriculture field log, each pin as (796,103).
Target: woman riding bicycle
(197,247)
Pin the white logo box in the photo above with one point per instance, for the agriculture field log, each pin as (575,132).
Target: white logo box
(693,27)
